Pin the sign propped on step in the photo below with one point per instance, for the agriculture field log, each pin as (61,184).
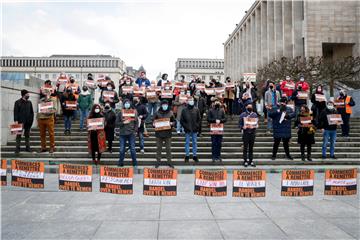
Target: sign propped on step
(160,182)
(297,183)
(27,174)
(3,174)
(249,183)
(116,180)
(341,181)
(210,183)
(75,177)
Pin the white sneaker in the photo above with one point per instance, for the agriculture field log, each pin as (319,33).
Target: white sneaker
(178,132)
(142,151)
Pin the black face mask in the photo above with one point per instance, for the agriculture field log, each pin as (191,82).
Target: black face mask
(72,81)
(27,97)
(341,94)
(271,87)
(217,105)
(249,109)
(85,89)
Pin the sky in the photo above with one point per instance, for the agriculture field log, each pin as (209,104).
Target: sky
(151,33)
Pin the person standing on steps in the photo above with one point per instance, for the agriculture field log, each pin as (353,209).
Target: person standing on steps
(190,120)
(110,118)
(85,102)
(345,111)
(68,111)
(96,138)
(46,122)
(282,127)
(306,131)
(139,103)
(163,136)
(200,103)
(271,101)
(318,100)
(248,126)
(216,115)
(127,121)
(24,114)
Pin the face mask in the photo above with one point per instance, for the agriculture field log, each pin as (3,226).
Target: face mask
(72,81)
(27,97)
(127,82)
(69,90)
(330,107)
(191,103)
(107,107)
(299,88)
(217,105)
(165,107)
(85,89)
(319,89)
(127,105)
(287,79)
(109,88)
(182,93)
(247,86)
(249,109)
(271,87)
(97,110)
(301,79)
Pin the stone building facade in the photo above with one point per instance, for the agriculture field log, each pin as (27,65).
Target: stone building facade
(273,29)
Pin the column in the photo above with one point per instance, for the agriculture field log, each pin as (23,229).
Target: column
(253,44)
(241,52)
(264,46)
(258,37)
(297,18)
(249,43)
(270,30)
(278,25)
(239,56)
(287,28)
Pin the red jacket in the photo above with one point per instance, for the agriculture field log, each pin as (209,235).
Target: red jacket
(304,86)
(286,90)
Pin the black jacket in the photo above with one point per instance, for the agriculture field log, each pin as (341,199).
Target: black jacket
(141,111)
(200,103)
(323,121)
(164,114)
(216,113)
(70,97)
(24,113)
(190,119)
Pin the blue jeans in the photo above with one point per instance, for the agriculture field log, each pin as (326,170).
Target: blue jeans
(67,122)
(329,136)
(131,140)
(179,128)
(152,109)
(83,116)
(141,140)
(269,121)
(193,136)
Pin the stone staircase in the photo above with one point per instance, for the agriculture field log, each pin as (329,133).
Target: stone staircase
(73,149)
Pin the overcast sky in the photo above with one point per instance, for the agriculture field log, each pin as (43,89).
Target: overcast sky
(149,33)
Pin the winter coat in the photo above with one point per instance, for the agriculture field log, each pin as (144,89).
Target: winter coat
(24,113)
(190,119)
(164,114)
(85,101)
(283,129)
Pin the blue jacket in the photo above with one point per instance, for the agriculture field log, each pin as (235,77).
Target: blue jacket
(141,81)
(283,129)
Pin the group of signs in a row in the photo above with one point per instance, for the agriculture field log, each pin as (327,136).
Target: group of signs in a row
(163,182)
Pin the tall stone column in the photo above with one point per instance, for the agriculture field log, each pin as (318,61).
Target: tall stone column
(258,37)
(264,43)
(239,56)
(287,29)
(242,55)
(249,45)
(271,30)
(297,20)
(278,27)
(253,44)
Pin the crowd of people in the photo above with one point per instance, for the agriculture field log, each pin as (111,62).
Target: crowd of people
(182,105)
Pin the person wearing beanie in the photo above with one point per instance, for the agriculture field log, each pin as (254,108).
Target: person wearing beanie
(190,120)
(24,114)
(85,102)
(345,109)
(249,133)
(163,136)
(281,118)
(328,129)
(216,115)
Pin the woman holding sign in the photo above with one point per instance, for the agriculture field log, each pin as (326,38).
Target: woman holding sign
(164,120)
(306,131)
(109,95)
(216,119)
(318,100)
(96,134)
(248,123)
(69,106)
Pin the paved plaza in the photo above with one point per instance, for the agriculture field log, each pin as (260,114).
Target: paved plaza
(50,214)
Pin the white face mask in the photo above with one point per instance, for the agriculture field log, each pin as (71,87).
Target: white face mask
(109,88)
(191,103)
(330,107)
(301,79)
(97,110)
(287,78)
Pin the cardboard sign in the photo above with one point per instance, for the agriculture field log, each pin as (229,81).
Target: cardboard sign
(302,95)
(128,114)
(162,124)
(250,122)
(249,183)
(47,90)
(116,180)
(249,77)
(16,129)
(139,91)
(200,86)
(210,183)
(70,105)
(183,98)
(160,182)
(127,89)
(90,83)
(95,123)
(306,121)
(320,97)
(290,85)
(75,178)
(297,183)
(108,96)
(27,174)
(341,181)
(230,85)
(210,91)
(3,171)
(220,90)
(74,89)
(157,88)
(334,119)
(181,85)
(45,107)
(216,128)
(339,103)
(102,82)
(151,94)
(291,105)
(62,81)
(166,94)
